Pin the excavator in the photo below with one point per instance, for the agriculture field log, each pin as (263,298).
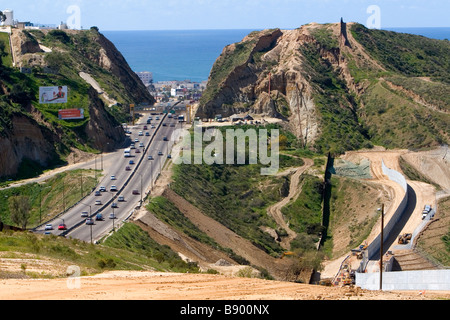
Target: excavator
(404,238)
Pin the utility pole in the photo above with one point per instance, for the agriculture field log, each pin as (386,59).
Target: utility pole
(381,247)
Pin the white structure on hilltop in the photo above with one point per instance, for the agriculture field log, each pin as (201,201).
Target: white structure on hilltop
(9,21)
(146,77)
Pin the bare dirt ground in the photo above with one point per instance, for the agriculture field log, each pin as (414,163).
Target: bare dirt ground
(125,285)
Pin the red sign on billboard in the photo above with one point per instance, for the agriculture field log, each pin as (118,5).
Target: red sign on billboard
(67,114)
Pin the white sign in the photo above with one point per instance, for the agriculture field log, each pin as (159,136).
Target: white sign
(53,94)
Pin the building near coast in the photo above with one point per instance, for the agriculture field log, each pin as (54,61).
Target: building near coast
(9,18)
(146,77)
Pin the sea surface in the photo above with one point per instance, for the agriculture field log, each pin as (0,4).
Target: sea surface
(190,54)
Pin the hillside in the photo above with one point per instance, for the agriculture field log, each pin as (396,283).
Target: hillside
(337,86)
(32,135)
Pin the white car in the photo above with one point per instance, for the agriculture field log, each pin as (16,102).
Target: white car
(84,214)
(98,203)
(49,226)
(113,188)
(113,177)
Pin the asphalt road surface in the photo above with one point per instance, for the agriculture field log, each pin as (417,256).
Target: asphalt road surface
(131,183)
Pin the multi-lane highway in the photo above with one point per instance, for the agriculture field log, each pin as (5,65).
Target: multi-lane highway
(132,177)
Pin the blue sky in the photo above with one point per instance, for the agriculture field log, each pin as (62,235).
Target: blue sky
(228,14)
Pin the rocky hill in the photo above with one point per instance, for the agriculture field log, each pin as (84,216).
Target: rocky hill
(337,86)
(98,78)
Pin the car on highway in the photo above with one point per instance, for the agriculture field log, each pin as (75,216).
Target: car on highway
(98,193)
(131,162)
(127,168)
(102,189)
(112,216)
(141,145)
(89,221)
(169,156)
(99,217)
(164,124)
(153,126)
(157,118)
(121,198)
(114,205)
(84,214)
(160,153)
(136,140)
(49,226)
(113,177)
(165,139)
(135,191)
(98,203)
(140,134)
(150,157)
(113,188)
(62,226)
(172,124)
(138,151)
(145,128)
(147,134)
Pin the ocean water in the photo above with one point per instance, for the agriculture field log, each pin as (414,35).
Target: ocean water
(190,54)
(174,54)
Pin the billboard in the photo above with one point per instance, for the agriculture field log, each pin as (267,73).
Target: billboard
(68,114)
(56,94)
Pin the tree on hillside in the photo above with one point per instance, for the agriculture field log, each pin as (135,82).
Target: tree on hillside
(20,210)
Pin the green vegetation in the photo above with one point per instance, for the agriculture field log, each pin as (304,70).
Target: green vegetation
(415,56)
(5,50)
(225,64)
(415,126)
(50,198)
(341,127)
(304,214)
(235,195)
(138,244)
(129,248)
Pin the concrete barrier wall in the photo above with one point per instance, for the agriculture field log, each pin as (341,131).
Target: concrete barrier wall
(405,280)
(373,249)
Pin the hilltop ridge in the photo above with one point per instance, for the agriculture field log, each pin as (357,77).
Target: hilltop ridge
(335,85)
(31,133)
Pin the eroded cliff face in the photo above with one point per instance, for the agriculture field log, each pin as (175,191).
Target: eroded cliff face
(274,79)
(26,139)
(27,134)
